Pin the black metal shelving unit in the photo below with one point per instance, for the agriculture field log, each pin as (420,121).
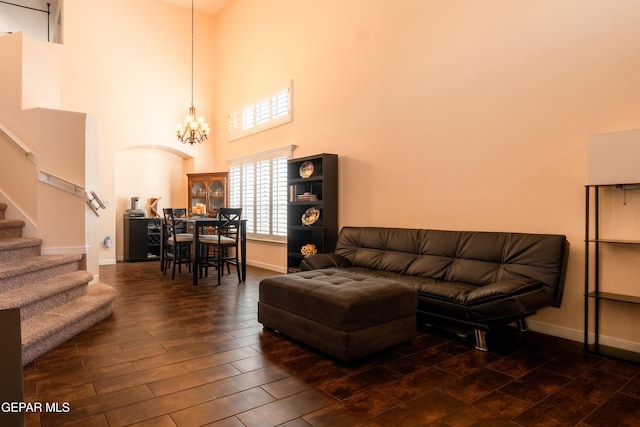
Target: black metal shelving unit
(592,285)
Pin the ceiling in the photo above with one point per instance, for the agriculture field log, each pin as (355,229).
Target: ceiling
(211,7)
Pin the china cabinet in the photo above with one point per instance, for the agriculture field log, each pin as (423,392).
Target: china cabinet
(208,192)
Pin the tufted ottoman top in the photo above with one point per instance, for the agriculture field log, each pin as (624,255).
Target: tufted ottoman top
(339,299)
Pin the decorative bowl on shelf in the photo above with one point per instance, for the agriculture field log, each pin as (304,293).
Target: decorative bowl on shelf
(310,216)
(306,169)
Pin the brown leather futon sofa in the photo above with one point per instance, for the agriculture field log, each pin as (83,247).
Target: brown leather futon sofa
(465,280)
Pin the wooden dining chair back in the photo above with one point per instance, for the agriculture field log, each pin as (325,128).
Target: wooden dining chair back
(222,248)
(176,244)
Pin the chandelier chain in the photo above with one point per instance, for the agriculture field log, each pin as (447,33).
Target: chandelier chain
(192,50)
(194,129)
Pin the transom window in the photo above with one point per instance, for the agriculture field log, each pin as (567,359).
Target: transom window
(274,109)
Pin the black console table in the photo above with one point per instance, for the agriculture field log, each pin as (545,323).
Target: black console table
(142,238)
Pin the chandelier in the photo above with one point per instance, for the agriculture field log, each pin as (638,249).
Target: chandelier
(193,129)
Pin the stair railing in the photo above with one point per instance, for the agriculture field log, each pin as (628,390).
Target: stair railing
(61,183)
(18,143)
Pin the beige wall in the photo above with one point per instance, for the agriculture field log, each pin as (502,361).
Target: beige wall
(457,115)
(128,63)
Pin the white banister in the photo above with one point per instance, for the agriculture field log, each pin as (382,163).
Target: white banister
(18,143)
(60,183)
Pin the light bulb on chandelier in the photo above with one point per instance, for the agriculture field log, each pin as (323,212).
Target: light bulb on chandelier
(192,130)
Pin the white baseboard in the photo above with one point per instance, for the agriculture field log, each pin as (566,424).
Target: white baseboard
(276,268)
(65,250)
(578,335)
(111,261)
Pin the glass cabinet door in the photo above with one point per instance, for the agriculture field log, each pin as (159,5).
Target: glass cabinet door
(198,197)
(217,193)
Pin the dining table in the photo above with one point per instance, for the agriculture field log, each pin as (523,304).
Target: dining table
(202,222)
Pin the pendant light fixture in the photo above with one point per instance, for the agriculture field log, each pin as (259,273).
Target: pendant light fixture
(193,130)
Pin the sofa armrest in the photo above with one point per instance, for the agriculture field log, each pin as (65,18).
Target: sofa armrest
(318,261)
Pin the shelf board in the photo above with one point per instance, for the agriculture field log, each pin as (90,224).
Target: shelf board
(306,202)
(300,180)
(306,227)
(616,353)
(619,241)
(615,297)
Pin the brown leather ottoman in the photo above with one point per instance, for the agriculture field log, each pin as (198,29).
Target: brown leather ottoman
(342,314)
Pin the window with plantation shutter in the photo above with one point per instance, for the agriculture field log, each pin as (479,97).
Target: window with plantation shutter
(279,194)
(271,110)
(258,184)
(248,195)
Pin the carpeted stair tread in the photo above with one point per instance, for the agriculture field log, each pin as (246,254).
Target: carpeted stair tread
(19,242)
(41,262)
(10,228)
(10,223)
(49,329)
(18,248)
(58,290)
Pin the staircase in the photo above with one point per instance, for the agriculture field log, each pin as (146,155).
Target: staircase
(53,292)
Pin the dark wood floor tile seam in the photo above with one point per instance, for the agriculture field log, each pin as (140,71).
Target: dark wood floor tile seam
(97,345)
(246,331)
(219,409)
(593,387)
(405,389)
(252,364)
(232,385)
(62,393)
(494,409)
(119,382)
(182,356)
(517,375)
(221,358)
(201,343)
(80,379)
(96,405)
(96,362)
(62,361)
(285,410)
(425,410)
(158,406)
(475,385)
(208,338)
(556,408)
(286,387)
(619,367)
(631,389)
(193,379)
(166,358)
(467,363)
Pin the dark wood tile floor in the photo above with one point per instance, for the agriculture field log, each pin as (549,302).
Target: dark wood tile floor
(177,355)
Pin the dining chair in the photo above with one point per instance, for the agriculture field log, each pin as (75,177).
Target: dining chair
(177,244)
(222,248)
